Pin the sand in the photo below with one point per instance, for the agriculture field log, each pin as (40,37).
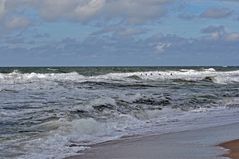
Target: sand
(233,147)
(193,144)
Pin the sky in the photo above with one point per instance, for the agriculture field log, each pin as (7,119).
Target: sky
(119,32)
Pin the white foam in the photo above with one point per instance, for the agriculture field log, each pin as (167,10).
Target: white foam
(66,131)
(210,70)
(184,74)
(83,132)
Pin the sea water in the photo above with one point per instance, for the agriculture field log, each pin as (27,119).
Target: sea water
(57,112)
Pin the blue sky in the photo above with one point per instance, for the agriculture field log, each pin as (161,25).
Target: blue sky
(119,32)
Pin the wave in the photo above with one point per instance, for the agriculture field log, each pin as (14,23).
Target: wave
(73,111)
(210,75)
(72,137)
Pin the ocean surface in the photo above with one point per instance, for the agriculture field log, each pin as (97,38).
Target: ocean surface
(56,112)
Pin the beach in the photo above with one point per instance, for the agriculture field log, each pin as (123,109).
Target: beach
(233,147)
(193,144)
(119,79)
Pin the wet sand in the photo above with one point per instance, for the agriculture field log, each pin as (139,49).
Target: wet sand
(233,147)
(193,144)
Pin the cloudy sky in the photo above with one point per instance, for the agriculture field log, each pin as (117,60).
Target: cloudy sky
(119,32)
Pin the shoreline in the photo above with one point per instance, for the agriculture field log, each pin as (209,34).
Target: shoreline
(232,147)
(192,144)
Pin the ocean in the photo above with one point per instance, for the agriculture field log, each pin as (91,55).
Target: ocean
(55,112)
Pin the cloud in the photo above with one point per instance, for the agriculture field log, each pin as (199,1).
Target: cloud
(90,9)
(2,7)
(187,16)
(232,36)
(131,11)
(39,36)
(78,10)
(212,29)
(17,22)
(112,50)
(136,11)
(220,33)
(118,31)
(216,13)
(160,47)
(214,32)
(108,50)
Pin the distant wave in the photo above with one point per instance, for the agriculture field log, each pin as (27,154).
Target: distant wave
(220,77)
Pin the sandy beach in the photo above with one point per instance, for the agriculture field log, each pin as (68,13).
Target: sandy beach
(233,147)
(193,144)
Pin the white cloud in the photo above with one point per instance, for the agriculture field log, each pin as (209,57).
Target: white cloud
(161,47)
(88,10)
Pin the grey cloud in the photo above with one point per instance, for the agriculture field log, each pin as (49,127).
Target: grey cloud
(15,40)
(44,35)
(79,10)
(112,50)
(212,29)
(132,11)
(11,16)
(187,16)
(220,33)
(136,11)
(121,31)
(2,7)
(17,22)
(232,36)
(214,32)
(216,13)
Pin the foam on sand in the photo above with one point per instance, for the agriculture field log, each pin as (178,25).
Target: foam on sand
(194,144)
(232,147)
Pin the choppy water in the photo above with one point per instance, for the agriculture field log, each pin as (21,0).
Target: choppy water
(57,112)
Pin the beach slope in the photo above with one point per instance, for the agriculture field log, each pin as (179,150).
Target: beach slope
(233,147)
(192,144)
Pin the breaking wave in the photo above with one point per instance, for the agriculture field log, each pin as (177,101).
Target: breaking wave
(55,115)
(210,75)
